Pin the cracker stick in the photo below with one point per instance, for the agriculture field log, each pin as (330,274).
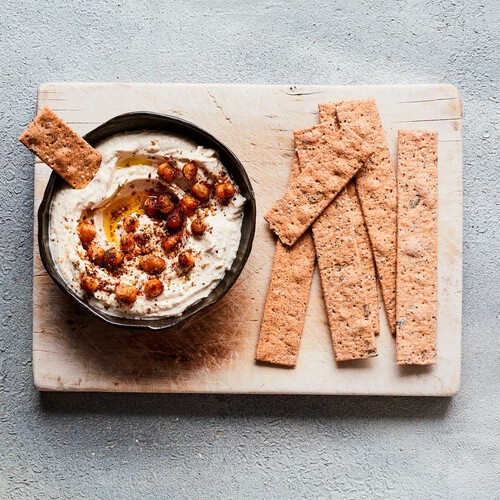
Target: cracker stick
(347,271)
(328,158)
(416,301)
(287,298)
(61,149)
(376,186)
(328,112)
(367,266)
(346,297)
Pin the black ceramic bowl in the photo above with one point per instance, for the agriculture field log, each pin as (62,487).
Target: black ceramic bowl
(134,122)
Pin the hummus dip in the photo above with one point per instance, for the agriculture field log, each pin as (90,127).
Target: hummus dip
(155,230)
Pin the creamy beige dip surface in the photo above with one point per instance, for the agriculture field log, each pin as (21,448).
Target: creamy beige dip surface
(126,182)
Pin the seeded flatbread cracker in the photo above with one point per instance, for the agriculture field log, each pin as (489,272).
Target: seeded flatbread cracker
(346,298)
(61,149)
(328,159)
(287,298)
(376,187)
(328,112)
(416,301)
(366,263)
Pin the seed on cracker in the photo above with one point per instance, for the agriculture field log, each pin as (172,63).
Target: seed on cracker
(416,301)
(62,149)
(376,187)
(287,298)
(328,159)
(342,279)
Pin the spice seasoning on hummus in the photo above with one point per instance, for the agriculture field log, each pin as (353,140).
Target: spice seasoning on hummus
(153,232)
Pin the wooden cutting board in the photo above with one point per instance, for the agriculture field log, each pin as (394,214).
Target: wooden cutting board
(214,352)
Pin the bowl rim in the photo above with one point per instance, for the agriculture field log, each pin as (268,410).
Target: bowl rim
(239,262)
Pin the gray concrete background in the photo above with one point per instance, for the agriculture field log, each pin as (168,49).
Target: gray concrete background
(196,446)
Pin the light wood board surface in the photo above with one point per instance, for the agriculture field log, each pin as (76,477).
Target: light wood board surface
(72,351)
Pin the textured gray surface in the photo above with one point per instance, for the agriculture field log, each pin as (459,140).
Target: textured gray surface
(185,446)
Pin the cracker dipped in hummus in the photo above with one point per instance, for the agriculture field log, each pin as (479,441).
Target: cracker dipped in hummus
(153,232)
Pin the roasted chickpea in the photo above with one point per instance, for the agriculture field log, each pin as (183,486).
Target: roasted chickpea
(190,170)
(175,220)
(86,231)
(188,204)
(186,259)
(167,170)
(126,293)
(224,191)
(170,242)
(165,204)
(153,288)
(112,258)
(88,283)
(153,264)
(127,243)
(198,226)
(201,191)
(130,223)
(95,254)
(150,207)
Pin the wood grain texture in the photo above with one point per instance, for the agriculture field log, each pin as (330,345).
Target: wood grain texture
(214,353)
